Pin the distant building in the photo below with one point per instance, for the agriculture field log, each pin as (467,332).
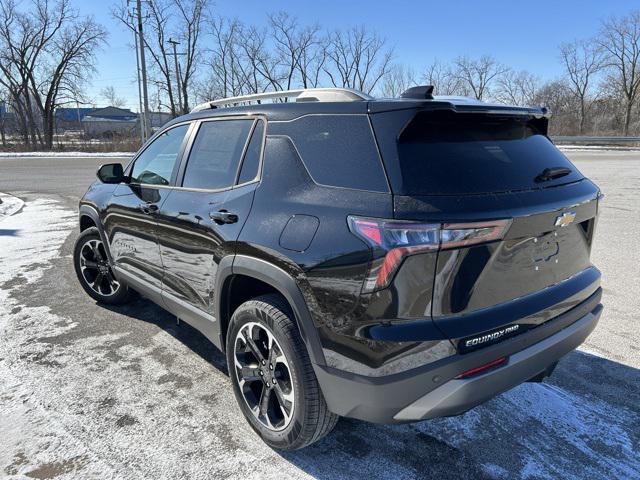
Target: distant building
(7,121)
(158,119)
(110,121)
(105,122)
(71,115)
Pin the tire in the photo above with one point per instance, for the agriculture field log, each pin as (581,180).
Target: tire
(292,377)
(90,263)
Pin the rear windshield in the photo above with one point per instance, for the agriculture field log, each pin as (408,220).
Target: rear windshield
(458,153)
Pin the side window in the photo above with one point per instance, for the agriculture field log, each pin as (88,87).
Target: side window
(215,155)
(339,151)
(251,162)
(155,165)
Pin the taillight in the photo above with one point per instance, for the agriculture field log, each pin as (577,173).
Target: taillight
(393,240)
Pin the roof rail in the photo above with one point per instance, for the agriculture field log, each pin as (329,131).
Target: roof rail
(301,95)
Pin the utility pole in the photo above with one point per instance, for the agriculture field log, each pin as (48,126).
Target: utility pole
(143,120)
(143,67)
(175,58)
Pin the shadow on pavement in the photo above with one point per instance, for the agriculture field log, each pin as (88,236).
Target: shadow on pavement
(147,311)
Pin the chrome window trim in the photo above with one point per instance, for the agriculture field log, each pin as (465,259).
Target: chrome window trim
(129,167)
(189,146)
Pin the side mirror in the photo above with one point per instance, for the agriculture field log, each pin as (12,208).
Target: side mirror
(111,173)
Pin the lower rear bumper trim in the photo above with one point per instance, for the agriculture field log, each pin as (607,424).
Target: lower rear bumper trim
(433,391)
(459,395)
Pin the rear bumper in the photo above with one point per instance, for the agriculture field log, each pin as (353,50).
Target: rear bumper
(433,391)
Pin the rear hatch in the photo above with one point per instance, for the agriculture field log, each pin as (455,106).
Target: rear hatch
(462,168)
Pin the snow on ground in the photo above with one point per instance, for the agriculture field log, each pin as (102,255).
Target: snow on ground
(28,242)
(599,148)
(9,205)
(625,148)
(66,154)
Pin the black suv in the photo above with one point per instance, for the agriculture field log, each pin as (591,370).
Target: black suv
(391,260)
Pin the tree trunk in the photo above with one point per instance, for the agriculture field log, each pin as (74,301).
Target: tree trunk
(185,99)
(30,121)
(21,119)
(48,123)
(627,117)
(582,114)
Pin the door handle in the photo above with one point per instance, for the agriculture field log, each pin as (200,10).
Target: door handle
(222,216)
(148,208)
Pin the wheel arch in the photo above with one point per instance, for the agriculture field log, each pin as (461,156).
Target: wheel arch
(88,217)
(278,280)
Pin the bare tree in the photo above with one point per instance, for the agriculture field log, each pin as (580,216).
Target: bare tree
(399,78)
(517,88)
(46,54)
(4,97)
(478,74)
(357,58)
(165,19)
(109,94)
(620,40)
(300,52)
(189,33)
(582,60)
(157,17)
(261,62)
(313,55)
(557,96)
(225,76)
(441,76)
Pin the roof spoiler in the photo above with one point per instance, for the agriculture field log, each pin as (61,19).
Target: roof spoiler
(421,92)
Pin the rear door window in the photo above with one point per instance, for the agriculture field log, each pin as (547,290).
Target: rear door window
(457,153)
(339,151)
(215,154)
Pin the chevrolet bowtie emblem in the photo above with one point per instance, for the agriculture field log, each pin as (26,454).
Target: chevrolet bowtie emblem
(565,219)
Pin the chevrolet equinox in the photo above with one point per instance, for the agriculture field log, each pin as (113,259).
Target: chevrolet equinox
(390,260)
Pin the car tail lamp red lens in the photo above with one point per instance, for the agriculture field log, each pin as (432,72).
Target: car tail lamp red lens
(393,240)
(472,372)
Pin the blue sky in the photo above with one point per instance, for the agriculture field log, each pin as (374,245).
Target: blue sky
(524,35)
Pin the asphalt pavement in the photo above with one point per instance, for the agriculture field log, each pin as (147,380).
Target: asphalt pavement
(93,392)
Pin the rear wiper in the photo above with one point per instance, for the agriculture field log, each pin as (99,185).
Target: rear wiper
(553,172)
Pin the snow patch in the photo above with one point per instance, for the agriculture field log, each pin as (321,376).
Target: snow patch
(66,154)
(594,434)
(33,236)
(598,148)
(9,205)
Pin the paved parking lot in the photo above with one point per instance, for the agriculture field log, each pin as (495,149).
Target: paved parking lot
(94,392)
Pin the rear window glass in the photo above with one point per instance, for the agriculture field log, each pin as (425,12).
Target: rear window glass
(339,151)
(456,153)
